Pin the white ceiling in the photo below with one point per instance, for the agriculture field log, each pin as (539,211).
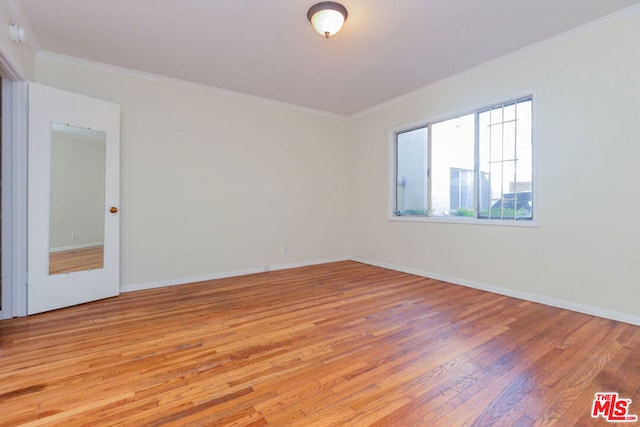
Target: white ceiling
(268,49)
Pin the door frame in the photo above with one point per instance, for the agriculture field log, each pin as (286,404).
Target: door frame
(14,198)
(14,169)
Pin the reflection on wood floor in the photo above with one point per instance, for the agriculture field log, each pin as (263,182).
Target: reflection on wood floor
(76,260)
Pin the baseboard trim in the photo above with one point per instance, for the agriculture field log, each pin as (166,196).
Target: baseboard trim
(224,275)
(526,296)
(80,246)
(553,302)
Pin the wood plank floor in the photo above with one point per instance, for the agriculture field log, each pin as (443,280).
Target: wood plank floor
(336,344)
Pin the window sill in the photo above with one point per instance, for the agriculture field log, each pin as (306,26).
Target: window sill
(462,220)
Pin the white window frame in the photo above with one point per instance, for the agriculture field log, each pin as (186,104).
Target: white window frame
(535,195)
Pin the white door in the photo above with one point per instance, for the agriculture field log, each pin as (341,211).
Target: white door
(73,181)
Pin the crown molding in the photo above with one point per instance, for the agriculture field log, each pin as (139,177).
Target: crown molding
(552,41)
(9,68)
(56,57)
(531,49)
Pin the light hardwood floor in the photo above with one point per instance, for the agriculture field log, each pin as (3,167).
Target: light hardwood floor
(336,344)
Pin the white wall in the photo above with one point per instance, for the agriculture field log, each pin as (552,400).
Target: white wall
(586,107)
(213,183)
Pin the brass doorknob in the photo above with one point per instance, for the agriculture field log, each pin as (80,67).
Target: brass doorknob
(113,209)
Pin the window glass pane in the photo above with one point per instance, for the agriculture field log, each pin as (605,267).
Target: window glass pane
(509,140)
(496,115)
(484,193)
(496,180)
(461,192)
(411,177)
(495,142)
(452,168)
(509,112)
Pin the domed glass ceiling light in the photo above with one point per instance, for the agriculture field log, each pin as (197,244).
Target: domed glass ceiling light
(327,17)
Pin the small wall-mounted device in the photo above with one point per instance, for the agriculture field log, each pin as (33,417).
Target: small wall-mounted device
(17,33)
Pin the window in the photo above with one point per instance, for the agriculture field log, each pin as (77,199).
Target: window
(478,165)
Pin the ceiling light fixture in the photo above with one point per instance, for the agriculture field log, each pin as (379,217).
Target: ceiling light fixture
(327,17)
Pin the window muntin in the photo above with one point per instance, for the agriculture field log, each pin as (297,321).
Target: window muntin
(478,165)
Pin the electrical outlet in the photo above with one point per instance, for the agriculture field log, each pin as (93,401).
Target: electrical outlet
(286,250)
(74,235)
